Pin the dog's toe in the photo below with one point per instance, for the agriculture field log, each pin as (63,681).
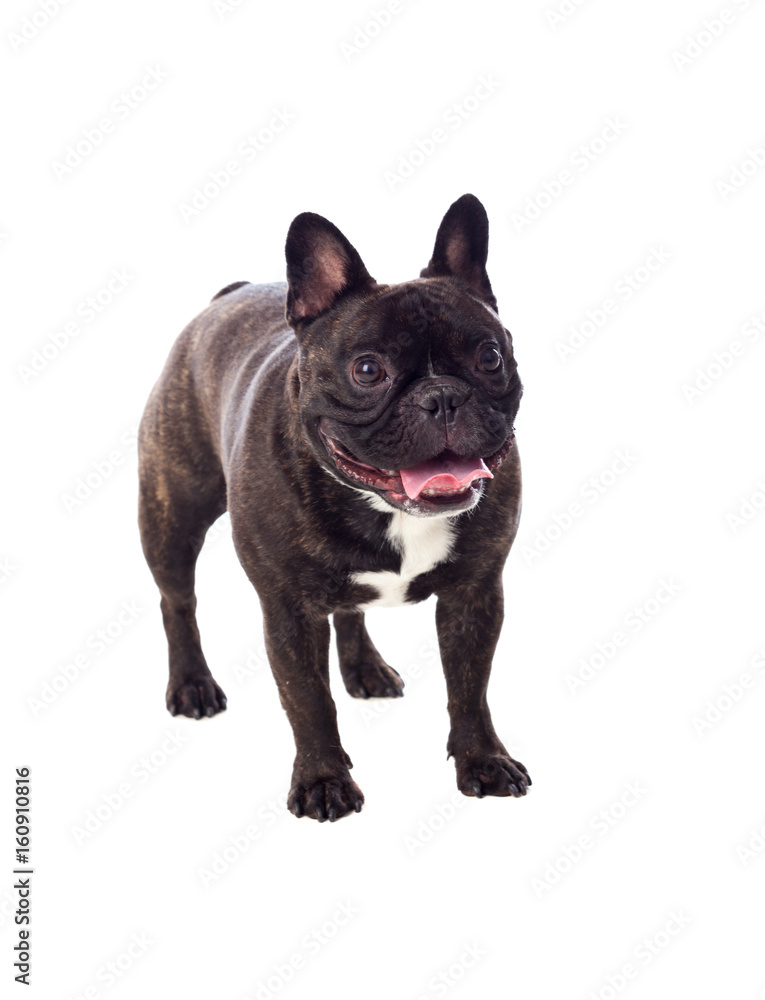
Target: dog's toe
(323,799)
(373,679)
(195,698)
(492,774)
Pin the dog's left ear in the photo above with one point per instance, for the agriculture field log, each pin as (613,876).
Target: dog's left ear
(322,267)
(462,246)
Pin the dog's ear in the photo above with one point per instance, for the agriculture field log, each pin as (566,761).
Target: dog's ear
(462,246)
(322,266)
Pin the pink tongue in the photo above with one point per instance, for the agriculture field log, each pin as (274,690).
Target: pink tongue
(445,474)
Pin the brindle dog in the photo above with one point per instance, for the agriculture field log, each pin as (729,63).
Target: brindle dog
(361,437)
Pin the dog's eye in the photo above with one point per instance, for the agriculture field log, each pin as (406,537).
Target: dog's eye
(489,359)
(367,371)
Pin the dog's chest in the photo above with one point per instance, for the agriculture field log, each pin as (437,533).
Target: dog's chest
(423,544)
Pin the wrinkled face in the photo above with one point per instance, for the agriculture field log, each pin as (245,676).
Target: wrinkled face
(407,392)
(410,393)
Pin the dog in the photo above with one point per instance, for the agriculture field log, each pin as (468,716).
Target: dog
(361,437)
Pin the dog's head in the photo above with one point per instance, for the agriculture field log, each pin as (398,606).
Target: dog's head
(409,391)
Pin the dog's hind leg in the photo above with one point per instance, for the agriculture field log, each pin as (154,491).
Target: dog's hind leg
(365,673)
(178,502)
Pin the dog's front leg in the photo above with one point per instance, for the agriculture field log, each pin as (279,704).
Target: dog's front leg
(469,620)
(298,650)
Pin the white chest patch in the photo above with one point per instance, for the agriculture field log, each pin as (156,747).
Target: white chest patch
(423,542)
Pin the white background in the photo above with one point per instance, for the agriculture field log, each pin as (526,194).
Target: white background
(423,878)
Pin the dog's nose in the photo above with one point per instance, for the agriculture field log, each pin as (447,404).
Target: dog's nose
(443,401)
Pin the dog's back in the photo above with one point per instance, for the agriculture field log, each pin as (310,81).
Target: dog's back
(210,366)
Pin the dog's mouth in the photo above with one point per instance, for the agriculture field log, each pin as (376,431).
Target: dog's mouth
(447,480)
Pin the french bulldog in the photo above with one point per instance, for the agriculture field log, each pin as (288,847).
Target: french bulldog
(361,437)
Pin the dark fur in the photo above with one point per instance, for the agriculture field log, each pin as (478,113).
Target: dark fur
(233,424)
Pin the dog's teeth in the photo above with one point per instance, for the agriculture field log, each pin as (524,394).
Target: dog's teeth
(442,493)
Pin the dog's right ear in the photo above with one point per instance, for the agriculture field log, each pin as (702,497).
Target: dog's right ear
(462,246)
(322,266)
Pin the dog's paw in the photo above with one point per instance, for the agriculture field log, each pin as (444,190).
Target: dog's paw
(373,679)
(327,798)
(196,698)
(492,774)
